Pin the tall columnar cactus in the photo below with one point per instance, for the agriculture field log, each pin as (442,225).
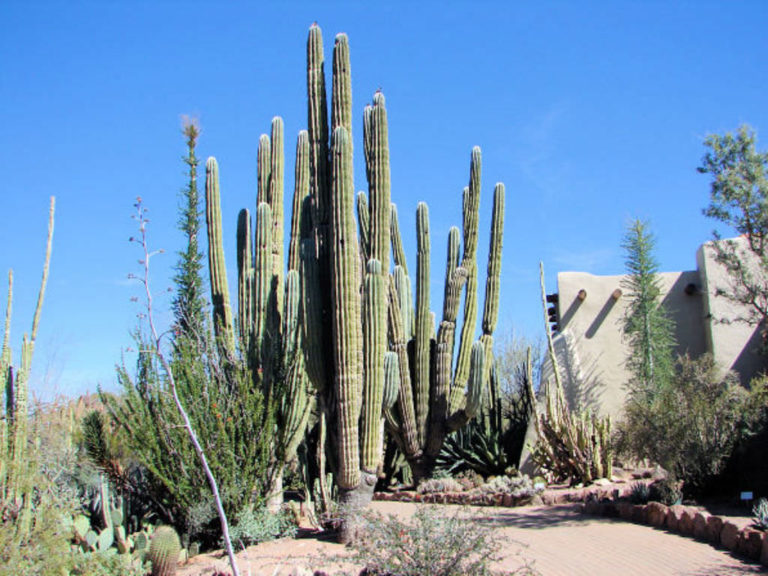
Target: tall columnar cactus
(164,551)
(431,398)
(13,428)
(269,326)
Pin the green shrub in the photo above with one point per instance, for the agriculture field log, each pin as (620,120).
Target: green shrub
(639,493)
(666,491)
(433,543)
(691,426)
(760,514)
(260,525)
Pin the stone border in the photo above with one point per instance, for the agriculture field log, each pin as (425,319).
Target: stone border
(549,497)
(688,521)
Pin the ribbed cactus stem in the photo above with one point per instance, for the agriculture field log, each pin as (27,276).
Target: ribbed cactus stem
(222,310)
(397,242)
(164,551)
(399,345)
(424,322)
(313,321)
(301,218)
(341,105)
(296,403)
(276,194)
(318,128)
(264,168)
(493,276)
(476,375)
(263,278)
(364,224)
(452,256)
(374,349)
(377,162)
(345,297)
(244,277)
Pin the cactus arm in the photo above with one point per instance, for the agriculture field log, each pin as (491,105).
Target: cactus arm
(341,105)
(424,323)
(244,277)
(377,162)
(400,347)
(317,112)
(222,310)
(471,215)
(364,223)
(263,277)
(398,252)
(493,277)
(264,167)
(300,219)
(374,349)
(276,194)
(345,296)
(474,397)
(440,409)
(312,317)
(391,390)
(296,407)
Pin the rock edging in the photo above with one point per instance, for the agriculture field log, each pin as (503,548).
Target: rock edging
(688,521)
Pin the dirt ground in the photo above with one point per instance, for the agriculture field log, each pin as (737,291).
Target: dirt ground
(557,540)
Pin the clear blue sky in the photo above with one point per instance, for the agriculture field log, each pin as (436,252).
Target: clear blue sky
(592,113)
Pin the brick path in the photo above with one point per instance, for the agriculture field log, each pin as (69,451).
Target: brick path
(559,539)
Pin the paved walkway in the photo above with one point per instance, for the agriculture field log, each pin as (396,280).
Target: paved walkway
(558,539)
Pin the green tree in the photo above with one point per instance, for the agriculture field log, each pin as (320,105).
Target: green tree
(648,328)
(189,303)
(739,199)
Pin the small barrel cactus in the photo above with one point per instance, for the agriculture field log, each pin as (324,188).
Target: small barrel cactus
(164,551)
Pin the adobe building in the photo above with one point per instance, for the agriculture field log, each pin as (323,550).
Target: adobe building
(587,315)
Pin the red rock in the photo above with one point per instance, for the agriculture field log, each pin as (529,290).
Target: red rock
(625,510)
(639,514)
(700,526)
(750,543)
(593,508)
(656,513)
(685,525)
(674,514)
(714,527)
(729,535)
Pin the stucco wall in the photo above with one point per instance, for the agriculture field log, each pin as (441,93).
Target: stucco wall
(734,344)
(591,348)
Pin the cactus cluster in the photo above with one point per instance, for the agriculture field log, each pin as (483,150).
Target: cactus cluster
(13,424)
(339,330)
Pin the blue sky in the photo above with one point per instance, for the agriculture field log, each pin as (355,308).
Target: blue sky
(591,113)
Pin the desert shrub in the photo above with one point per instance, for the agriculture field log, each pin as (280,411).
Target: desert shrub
(469,479)
(760,514)
(517,486)
(433,543)
(691,426)
(439,485)
(260,525)
(639,493)
(667,491)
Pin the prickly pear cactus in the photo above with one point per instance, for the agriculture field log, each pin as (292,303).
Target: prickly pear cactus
(164,551)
